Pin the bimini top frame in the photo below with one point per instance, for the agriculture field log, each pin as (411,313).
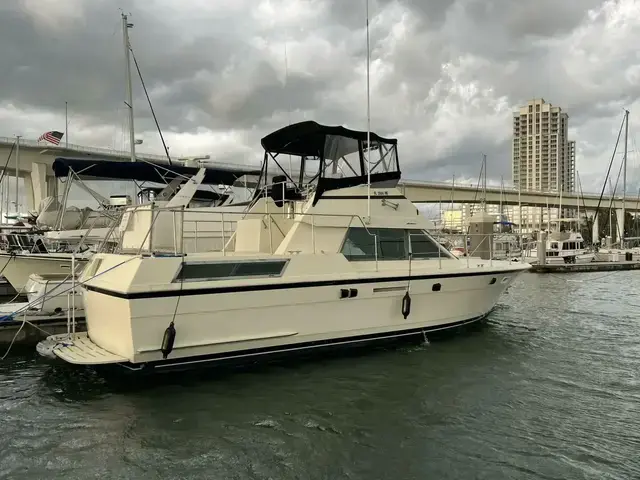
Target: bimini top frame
(330,157)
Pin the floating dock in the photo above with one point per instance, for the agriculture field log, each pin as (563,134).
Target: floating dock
(586,267)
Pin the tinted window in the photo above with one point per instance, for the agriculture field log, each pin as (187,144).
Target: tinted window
(220,270)
(359,245)
(393,244)
(422,246)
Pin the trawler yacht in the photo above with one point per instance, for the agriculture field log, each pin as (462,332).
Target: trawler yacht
(342,260)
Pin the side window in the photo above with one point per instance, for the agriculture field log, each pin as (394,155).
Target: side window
(392,244)
(224,270)
(422,246)
(359,245)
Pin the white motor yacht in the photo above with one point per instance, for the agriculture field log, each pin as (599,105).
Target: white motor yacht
(341,261)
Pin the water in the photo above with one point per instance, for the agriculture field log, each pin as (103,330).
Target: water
(548,389)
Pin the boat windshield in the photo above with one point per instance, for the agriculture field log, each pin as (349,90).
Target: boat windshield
(308,155)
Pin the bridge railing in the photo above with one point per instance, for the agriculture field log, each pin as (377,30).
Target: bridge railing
(495,189)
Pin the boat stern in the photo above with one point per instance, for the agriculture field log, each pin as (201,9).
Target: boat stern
(77,349)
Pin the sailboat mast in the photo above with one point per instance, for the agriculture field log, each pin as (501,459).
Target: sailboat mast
(129,102)
(624,176)
(560,215)
(368,121)
(484,183)
(17,173)
(501,191)
(578,229)
(520,208)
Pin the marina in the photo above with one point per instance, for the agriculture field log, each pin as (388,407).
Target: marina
(286,288)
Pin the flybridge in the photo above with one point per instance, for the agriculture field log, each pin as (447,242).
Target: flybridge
(331,157)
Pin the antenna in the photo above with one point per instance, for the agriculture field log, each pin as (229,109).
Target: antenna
(368,121)
(286,78)
(66,123)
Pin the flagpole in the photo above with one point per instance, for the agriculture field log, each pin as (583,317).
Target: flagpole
(66,124)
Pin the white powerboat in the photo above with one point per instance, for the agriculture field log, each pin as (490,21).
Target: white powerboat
(561,248)
(341,261)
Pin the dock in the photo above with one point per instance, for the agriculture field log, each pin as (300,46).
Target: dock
(586,267)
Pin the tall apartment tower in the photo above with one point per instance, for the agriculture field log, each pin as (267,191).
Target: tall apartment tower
(543,158)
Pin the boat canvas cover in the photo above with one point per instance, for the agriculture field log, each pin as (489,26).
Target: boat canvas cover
(144,171)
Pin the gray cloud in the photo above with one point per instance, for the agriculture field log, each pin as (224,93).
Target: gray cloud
(446,74)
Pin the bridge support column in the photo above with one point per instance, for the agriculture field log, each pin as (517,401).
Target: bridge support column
(36,185)
(52,187)
(542,247)
(595,230)
(619,231)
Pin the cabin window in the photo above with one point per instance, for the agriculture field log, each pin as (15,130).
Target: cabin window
(200,272)
(554,245)
(360,244)
(393,244)
(422,246)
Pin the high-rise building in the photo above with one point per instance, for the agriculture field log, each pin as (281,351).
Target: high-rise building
(543,158)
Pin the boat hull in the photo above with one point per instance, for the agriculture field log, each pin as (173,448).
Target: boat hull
(219,324)
(16,268)
(267,355)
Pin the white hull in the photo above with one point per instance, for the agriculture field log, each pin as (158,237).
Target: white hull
(53,294)
(212,324)
(16,268)
(577,259)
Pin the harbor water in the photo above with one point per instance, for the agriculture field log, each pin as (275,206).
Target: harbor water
(549,388)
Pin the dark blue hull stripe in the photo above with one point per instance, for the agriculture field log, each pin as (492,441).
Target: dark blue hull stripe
(183,292)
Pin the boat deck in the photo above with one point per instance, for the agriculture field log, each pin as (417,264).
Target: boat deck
(82,351)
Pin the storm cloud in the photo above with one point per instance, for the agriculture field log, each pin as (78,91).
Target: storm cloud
(446,75)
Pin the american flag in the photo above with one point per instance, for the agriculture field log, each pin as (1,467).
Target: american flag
(53,136)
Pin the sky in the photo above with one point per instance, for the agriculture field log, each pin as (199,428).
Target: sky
(445,75)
